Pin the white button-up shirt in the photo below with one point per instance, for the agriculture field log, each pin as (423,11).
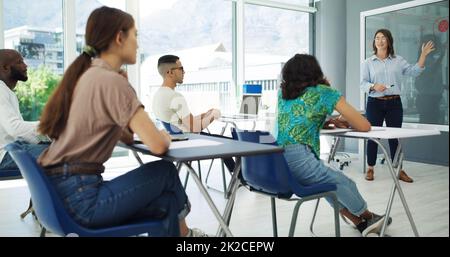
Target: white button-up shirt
(12,125)
(389,71)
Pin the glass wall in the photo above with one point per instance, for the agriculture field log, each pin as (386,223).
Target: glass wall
(272,36)
(197,31)
(425,98)
(82,11)
(39,39)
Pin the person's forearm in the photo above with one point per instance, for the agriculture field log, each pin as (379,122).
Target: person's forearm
(421,61)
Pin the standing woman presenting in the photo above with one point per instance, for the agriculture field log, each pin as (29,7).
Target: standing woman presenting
(381,76)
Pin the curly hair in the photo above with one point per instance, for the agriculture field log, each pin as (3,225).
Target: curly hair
(300,72)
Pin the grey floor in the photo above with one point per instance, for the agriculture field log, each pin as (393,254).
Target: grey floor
(428,199)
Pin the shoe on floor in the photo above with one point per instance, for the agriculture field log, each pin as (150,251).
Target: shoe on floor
(404,177)
(369,175)
(376,216)
(355,227)
(372,225)
(195,232)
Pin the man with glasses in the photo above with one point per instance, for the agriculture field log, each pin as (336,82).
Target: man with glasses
(170,106)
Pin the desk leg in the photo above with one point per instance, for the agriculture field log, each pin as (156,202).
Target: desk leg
(224,128)
(208,199)
(394,187)
(333,149)
(364,157)
(231,194)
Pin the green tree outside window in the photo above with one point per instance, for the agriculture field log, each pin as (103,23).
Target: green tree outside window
(34,93)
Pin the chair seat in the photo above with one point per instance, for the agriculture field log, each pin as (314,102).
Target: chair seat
(314,189)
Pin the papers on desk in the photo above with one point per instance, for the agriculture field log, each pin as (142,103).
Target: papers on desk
(240,116)
(342,130)
(194,143)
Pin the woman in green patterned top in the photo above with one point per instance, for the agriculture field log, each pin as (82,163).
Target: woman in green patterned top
(304,102)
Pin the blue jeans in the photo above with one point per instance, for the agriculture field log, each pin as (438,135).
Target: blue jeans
(152,191)
(308,170)
(34,149)
(377,111)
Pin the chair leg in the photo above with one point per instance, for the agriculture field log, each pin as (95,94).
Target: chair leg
(294,218)
(209,171)
(311,227)
(224,180)
(28,211)
(186,180)
(43,231)
(337,226)
(274,217)
(199,170)
(187,176)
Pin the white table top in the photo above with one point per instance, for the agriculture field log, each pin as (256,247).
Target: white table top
(244,117)
(381,133)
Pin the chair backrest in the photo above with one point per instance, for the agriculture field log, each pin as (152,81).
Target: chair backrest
(53,216)
(46,203)
(171,129)
(270,173)
(250,104)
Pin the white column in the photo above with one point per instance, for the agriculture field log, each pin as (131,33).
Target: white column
(132,7)
(240,47)
(2,28)
(69,32)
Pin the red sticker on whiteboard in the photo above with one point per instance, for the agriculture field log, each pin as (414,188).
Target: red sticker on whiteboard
(443,25)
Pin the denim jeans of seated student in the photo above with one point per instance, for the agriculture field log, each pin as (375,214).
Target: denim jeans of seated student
(308,170)
(34,150)
(150,191)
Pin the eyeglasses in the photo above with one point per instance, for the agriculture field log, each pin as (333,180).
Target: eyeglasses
(380,39)
(178,68)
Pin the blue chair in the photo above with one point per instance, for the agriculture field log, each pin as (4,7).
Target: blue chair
(53,216)
(269,174)
(10,174)
(171,129)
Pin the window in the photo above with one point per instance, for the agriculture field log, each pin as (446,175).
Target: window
(37,38)
(199,32)
(272,36)
(83,10)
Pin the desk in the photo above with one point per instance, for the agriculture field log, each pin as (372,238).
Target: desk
(376,135)
(200,147)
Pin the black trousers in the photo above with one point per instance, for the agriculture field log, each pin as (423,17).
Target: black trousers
(378,111)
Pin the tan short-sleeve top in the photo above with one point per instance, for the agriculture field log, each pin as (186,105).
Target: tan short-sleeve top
(102,106)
